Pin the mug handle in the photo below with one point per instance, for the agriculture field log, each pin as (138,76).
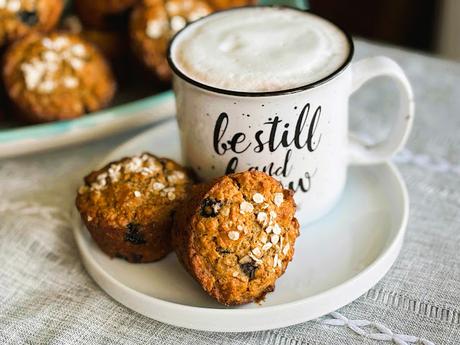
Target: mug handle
(362,71)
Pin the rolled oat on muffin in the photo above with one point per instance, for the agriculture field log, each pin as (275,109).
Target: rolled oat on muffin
(128,206)
(152,25)
(21,17)
(56,76)
(236,236)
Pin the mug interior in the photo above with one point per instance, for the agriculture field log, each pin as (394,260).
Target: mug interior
(218,90)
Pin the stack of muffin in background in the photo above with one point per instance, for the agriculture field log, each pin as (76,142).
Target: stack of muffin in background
(57,67)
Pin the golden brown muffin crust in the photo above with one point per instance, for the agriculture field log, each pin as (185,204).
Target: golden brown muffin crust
(56,76)
(20,17)
(236,236)
(127,206)
(154,22)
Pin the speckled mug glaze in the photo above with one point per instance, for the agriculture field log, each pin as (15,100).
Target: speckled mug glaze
(300,136)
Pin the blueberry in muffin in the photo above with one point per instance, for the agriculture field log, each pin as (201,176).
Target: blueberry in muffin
(128,206)
(236,235)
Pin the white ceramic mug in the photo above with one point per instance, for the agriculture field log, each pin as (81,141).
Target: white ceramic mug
(300,136)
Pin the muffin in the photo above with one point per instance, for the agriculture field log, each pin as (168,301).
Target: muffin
(56,76)
(128,205)
(104,14)
(154,22)
(224,4)
(113,44)
(236,236)
(20,17)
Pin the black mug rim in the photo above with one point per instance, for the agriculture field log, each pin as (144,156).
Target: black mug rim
(296,89)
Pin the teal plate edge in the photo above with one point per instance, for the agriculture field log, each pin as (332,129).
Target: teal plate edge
(87,121)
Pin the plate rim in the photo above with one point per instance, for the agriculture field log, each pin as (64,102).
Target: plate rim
(29,139)
(377,268)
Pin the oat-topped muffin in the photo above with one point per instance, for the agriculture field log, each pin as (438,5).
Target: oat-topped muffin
(104,14)
(128,206)
(154,22)
(56,76)
(236,235)
(20,17)
(113,44)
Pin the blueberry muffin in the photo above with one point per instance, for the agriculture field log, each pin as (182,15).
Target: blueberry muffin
(104,14)
(154,22)
(20,17)
(236,236)
(128,206)
(224,4)
(55,77)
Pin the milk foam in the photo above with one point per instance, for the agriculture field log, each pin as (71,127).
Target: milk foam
(259,49)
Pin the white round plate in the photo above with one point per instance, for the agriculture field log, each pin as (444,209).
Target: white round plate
(336,259)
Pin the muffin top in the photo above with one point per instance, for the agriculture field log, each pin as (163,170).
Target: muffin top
(238,236)
(58,75)
(154,22)
(135,190)
(172,17)
(19,17)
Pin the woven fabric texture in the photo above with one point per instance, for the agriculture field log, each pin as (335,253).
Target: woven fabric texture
(46,297)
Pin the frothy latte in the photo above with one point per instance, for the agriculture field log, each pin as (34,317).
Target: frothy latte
(259,49)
